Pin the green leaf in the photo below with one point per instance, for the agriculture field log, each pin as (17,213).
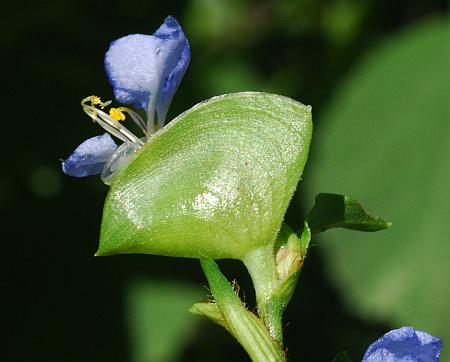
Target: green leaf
(211,311)
(215,182)
(159,327)
(386,139)
(341,211)
(342,357)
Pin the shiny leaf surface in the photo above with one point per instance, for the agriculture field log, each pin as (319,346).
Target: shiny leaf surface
(214,183)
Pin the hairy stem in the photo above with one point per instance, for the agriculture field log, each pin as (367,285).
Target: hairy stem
(260,264)
(242,324)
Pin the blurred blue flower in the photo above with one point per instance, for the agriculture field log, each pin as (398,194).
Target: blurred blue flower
(404,345)
(145,71)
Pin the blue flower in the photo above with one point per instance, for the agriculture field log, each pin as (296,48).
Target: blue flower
(145,71)
(89,158)
(404,345)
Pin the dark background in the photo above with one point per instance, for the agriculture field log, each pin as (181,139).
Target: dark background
(62,303)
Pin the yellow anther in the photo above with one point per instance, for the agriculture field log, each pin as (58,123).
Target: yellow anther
(117,114)
(95,100)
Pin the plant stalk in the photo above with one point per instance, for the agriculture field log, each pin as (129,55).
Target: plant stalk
(260,264)
(242,324)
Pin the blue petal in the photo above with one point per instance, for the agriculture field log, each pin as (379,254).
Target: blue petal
(90,156)
(145,70)
(404,345)
(172,82)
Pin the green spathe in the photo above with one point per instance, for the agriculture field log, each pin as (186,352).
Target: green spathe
(214,183)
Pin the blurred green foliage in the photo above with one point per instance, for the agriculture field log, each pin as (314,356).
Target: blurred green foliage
(386,137)
(159,326)
(65,305)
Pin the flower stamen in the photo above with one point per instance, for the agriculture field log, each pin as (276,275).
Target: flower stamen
(110,122)
(136,118)
(95,101)
(117,114)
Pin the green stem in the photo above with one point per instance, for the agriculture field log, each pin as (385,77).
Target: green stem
(242,324)
(261,266)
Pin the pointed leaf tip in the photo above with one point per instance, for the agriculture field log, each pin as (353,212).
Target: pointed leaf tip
(334,211)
